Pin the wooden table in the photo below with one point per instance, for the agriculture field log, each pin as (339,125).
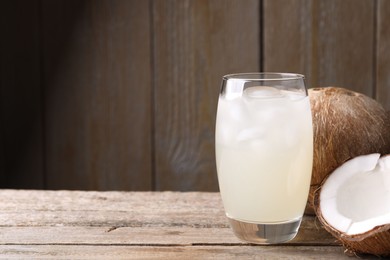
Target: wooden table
(138,225)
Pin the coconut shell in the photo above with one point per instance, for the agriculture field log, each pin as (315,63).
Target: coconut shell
(375,241)
(346,124)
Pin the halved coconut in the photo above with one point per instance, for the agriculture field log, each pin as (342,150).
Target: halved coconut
(353,204)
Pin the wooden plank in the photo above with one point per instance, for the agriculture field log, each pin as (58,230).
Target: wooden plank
(345,44)
(63,235)
(164,235)
(382,54)
(290,38)
(195,44)
(110,208)
(172,225)
(171,252)
(21,162)
(98,87)
(90,215)
(329,41)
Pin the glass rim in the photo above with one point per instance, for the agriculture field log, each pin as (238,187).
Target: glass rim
(263,76)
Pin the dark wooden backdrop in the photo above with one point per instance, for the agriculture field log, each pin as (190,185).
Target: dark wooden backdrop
(122,94)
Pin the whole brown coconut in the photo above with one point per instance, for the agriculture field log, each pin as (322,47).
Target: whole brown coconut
(346,124)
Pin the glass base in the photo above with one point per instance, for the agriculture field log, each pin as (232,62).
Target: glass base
(265,233)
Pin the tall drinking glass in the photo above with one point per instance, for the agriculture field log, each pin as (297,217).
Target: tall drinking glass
(264,154)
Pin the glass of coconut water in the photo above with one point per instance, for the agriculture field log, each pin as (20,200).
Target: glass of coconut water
(264,154)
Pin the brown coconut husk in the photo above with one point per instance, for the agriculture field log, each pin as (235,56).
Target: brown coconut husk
(346,124)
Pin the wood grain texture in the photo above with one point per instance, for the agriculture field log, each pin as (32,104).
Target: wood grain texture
(290,34)
(195,44)
(329,41)
(21,162)
(98,94)
(161,236)
(346,45)
(382,54)
(78,208)
(136,225)
(122,95)
(156,218)
(171,252)
(160,218)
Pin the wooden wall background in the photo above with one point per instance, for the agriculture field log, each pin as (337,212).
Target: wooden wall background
(122,94)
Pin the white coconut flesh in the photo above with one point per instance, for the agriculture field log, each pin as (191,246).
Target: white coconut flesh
(356,196)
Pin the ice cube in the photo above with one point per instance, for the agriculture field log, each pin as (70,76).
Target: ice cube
(251,134)
(288,134)
(225,134)
(231,118)
(232,110)
(263,92)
